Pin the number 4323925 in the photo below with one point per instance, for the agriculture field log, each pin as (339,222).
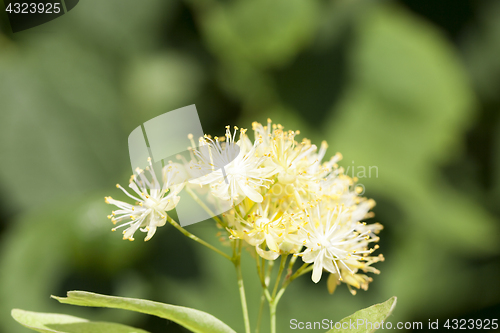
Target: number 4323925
(462,324)
(32,8)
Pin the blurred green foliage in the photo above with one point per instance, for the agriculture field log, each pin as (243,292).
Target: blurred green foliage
(389,84)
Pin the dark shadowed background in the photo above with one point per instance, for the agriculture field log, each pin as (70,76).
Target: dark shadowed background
(410,88)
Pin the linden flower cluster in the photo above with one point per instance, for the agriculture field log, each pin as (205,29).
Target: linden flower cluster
(285,199)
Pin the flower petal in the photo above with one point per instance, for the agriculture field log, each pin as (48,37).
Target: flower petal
(268,255)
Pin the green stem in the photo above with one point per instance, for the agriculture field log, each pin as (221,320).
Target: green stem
(280,293)
(267,278)
(298,271)
(272,314)
(241,288)
(196,239)
(260,268)
(292,261)
(237,264)
(280,272)
(263,265)
(261,310)
(205,207)
(273,303)
(306,268)
(301,271)
(274,300)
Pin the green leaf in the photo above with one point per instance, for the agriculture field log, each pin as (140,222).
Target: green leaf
(373,314)
(51,322)
(194,320)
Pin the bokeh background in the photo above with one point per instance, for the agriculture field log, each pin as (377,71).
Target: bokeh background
(410,86)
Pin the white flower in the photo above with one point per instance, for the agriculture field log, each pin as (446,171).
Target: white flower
(333,242)
(285,153)
(299,165)
(266,227)
(153,200)
(232,173)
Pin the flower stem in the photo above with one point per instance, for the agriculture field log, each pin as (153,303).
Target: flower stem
(267,279)
(306,268)
(272,314)
(196,239)
(260,268)
(274,300)
(292,261)
(241,287)
(280,272)
(237,264)
(261,310)
(205,207)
